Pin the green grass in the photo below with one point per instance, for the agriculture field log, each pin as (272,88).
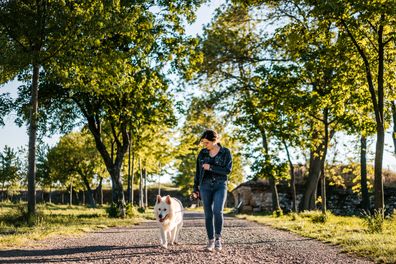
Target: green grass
(351,233)
(55,220)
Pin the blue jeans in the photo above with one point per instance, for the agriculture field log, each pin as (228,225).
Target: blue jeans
(213,195)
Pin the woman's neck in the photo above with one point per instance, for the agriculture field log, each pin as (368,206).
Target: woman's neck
(215,149)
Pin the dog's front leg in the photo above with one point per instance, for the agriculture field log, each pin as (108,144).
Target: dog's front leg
(178,227)
(164,241)
(173,235)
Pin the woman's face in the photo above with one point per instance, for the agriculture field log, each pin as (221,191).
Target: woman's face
(208,144)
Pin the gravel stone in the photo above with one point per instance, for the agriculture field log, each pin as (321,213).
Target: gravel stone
(243,242)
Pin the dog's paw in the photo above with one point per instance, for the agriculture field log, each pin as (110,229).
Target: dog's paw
(164,245)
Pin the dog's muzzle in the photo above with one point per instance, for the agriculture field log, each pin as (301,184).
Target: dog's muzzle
(162,219)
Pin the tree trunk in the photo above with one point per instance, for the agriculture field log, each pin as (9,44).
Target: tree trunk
(140,185)
(317,161)
(394,125)
(132,177)
(118,193)
(145,188)
(32,143)
(323,190)
(113,192)
(159,178)
(113,166)
(50,196)
(292,179)
(363,174)
(379,149)
(378,182)
(71,195)
(99,191)
(271,178)
(275,195)
(91,200)
(129,172)
(309,196)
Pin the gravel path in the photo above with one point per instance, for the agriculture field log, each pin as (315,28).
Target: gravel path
(244,242)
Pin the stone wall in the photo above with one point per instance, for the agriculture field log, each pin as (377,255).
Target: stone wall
(256,196)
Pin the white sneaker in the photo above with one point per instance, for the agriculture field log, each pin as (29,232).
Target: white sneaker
(218,246)
(211,245)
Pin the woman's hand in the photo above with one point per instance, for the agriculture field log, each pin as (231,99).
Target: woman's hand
(195,195)
(206,166)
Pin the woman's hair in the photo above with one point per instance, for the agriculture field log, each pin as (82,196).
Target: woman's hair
(210,135)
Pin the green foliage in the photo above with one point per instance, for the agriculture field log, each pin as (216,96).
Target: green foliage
(131,211)
(141,210)
(43,27)
(374,221)
(114,211)
(319,218)
(277,213)
(5,104)
(293,216)
(11,175)
(75,156)
(315,216)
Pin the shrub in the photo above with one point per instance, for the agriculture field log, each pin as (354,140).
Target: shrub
(319,218)
(277,213)
(131,211)
(294,216)
(114,210)
(374,221)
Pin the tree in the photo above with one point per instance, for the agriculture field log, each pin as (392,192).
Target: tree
(32,32)
(43,174)
(371,28)
(9,169)
(75,154)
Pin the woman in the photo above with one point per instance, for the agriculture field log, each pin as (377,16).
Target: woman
(214,163)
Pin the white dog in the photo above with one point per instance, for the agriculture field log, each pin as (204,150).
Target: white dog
(169,215)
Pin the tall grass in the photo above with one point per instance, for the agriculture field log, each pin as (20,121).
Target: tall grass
(374,221)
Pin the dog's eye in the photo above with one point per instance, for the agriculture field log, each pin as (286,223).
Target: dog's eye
(165,209)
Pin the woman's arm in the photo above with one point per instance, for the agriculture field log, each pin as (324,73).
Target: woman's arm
(226,169)
(197,174)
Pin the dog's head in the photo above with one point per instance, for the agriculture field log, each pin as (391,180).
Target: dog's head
(162,208)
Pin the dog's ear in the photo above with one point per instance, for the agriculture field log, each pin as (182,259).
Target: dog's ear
(168,199)
(158,198)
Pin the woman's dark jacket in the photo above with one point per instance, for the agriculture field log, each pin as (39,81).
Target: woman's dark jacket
(220,169)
